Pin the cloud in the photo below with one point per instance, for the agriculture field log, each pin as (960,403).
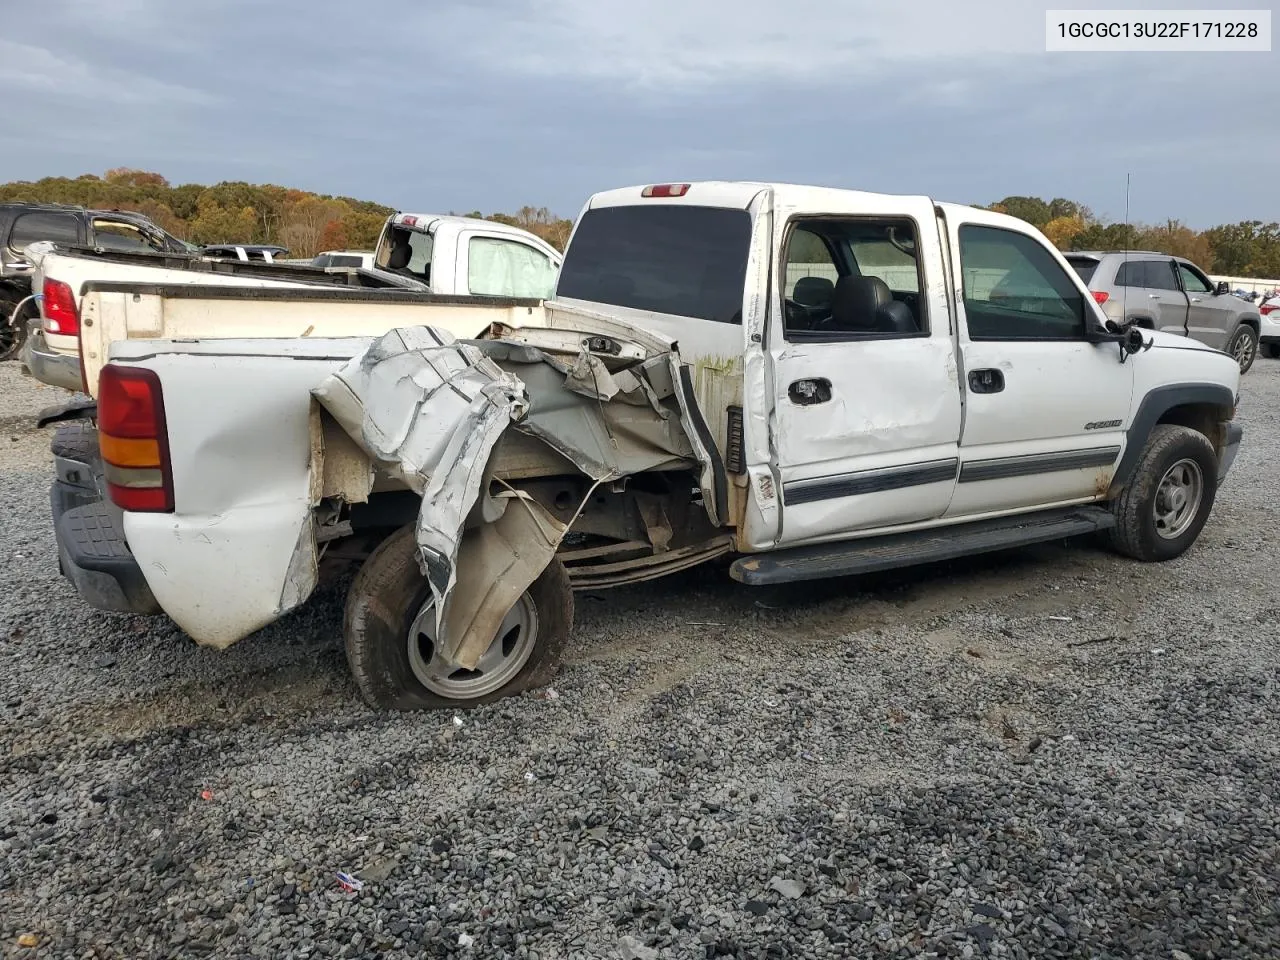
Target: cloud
(493,104)
(665,45)
(34,71)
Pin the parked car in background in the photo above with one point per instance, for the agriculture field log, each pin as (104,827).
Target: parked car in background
(1160,292)
(467,257)
(67,275)
(260,252)
(22,224)
(1269,313)
(349,259)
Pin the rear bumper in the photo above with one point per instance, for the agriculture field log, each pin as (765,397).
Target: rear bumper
(93,555)
(55,369)
(92,551)
(1234,435)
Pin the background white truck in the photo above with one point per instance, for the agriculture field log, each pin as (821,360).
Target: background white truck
(446,255)
(694,389)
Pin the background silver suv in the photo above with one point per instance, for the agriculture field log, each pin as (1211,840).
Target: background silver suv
(1166,293)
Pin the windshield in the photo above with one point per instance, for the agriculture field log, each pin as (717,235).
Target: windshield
(667,258)
(1084,266)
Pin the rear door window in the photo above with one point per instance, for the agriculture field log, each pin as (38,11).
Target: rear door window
(678,259)
(34,227)
(1159,275)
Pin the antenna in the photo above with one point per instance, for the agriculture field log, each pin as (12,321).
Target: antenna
(1124,300)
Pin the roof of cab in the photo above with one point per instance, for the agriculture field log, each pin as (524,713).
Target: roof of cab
(739,194)
(430,222)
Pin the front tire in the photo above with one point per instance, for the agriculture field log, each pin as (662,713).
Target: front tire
(390,619)
(1244,346)
(1165,505)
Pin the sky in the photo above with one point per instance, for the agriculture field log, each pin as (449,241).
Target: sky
(496,104)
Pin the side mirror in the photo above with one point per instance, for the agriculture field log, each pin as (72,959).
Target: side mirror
(1222,289)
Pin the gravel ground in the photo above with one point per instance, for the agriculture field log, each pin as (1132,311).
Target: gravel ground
(1051,753)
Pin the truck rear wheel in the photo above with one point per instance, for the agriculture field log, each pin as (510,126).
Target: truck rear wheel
(1163,509)
(390,634)
(12,335)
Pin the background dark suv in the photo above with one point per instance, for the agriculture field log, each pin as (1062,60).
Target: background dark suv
(22,224)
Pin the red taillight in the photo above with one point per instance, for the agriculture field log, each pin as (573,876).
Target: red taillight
(665,190)
(1267,309)
(60,313)
(1101,296)
(134,440)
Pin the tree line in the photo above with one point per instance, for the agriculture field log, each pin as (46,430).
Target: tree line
(306,223)
(1250,248)
(238,212)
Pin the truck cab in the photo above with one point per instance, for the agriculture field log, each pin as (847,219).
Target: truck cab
(884,362)
(467,256)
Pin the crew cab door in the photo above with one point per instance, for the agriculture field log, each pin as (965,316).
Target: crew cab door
(1045,410)
(866,408)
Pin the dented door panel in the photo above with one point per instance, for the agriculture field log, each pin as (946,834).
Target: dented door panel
(864,430)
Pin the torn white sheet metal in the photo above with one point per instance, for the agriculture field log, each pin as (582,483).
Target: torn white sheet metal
(429,410)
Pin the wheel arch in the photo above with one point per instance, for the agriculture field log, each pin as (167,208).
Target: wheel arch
(1204,407)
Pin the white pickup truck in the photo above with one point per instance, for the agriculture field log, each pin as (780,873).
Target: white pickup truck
(818,382)
(447,255)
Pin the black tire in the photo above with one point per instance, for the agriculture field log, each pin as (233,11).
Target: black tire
(1135,533)
(1271,351)
(385,597)
(12,336)
(1243,345)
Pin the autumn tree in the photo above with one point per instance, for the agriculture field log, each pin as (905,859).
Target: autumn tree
(1063,229)
(128,177)
(214,223)
(305,219)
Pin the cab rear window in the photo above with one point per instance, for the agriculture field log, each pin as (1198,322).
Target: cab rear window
(687,261)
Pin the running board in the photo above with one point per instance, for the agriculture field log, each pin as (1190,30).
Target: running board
(851,557)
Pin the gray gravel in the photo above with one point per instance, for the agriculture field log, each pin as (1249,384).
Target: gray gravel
(1053,753)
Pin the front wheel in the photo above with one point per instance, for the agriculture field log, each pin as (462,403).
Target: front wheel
(390,636)
(1166,503)
(1244,347)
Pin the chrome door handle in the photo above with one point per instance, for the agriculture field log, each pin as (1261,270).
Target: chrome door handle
(1195,299)
(1153,296)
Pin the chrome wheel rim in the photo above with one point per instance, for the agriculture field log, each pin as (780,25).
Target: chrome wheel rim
(505,657)
(1178,498)
(1244,349)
